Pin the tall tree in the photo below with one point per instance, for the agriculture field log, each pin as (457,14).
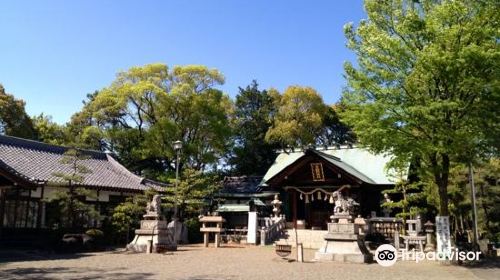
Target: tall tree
(48,131)
(254,110)
(191,192)
(334,131)
(426,83)
(487,181)
(13,118)
(147,108)
(299,119)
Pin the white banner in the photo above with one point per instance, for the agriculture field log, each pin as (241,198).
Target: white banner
(443,234)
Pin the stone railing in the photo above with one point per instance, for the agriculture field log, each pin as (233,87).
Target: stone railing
(273,231)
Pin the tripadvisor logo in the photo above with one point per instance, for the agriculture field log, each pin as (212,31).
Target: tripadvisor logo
(387,255)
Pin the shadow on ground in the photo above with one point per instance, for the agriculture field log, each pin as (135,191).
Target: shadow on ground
(34,255)
(484,263)
(70,273)
(208,277)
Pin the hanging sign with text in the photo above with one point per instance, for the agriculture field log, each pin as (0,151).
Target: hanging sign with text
(317,172)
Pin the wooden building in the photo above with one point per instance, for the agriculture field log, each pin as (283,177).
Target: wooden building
(27,181)
(306,180)
(238,196)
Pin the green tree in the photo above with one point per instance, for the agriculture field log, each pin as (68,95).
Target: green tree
(127,215)
(299,119)
(74,211)
(254,111)
(426,83)
(13,118)
(147,108)
(487,182)
(192,192)
(334,131)
(48,131)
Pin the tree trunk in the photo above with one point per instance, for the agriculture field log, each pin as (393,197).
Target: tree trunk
(441,177)
(443,198)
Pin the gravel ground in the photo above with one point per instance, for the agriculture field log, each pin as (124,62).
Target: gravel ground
(230,262)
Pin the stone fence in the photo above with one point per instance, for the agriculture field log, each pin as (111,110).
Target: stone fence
(273,231)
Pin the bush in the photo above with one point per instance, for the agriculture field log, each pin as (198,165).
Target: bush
(96,239)
(193,226)
(95,233)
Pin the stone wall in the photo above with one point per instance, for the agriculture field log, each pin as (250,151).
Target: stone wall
(310,239)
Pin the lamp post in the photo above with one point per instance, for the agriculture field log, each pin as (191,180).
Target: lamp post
(177,149)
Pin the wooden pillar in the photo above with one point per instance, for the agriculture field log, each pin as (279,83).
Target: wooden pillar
(98,209)
(27,210)
(294,208)
(2,209)
(41,209)
(16,204)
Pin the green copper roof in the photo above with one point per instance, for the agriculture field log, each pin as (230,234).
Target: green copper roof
(233,208)
(359,162)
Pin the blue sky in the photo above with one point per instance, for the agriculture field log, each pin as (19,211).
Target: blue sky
(52,53)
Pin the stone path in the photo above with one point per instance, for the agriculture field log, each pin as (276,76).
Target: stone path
(235,262)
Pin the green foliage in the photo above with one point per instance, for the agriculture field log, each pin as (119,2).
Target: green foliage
(96,233)
(411,195)
(192,191)
(251,154)
(193,226)
(75,212)
(49,131)
(334,131)
(147,108)
(426,83)
(127,215)
(487,182)
(13,118)
(299,118)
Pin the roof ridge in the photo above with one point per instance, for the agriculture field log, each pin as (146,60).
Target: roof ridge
(39,145)
(326,155)
(122,169)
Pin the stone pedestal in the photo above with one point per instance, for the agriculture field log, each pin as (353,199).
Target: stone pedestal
(181,236)
(344,244)
(155,232)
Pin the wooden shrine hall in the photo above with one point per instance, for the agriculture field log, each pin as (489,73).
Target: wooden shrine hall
(306,180)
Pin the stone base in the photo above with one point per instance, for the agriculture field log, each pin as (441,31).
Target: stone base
(344,250)
(341,218)
(343,244)
(153,232)
(347,258)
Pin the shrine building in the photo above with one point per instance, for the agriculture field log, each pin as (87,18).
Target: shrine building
(306,180)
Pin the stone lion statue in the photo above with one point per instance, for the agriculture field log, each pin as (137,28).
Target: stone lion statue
(343,205)
(154,206)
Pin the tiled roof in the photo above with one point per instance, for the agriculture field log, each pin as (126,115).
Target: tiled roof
(36,162)
(241,185)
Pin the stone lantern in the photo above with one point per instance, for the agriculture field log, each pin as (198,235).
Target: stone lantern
(429,230)
(276,206)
